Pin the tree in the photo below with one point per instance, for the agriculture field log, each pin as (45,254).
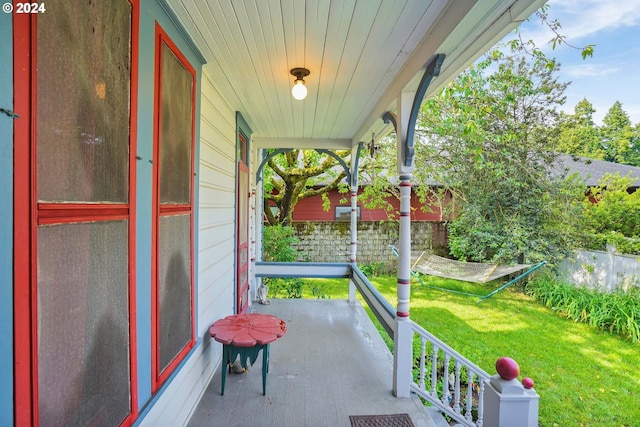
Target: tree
(519,45)
(578,134)
(619,140)
(291,177)
(486,138)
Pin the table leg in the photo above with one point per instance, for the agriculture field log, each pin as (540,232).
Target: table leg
(225,359)
(230,353)
(265,368)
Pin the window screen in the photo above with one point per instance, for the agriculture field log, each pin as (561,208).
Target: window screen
(83,102)
(174,286)
(83,324)
(176,112)
(82,116)
(173,315)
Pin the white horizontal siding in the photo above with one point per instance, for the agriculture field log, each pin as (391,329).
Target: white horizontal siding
(176,405)
(216,228)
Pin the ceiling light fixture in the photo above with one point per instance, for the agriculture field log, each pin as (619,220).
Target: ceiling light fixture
(299,90)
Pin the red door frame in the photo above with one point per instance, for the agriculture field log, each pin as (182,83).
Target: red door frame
(242,257)
(28,214)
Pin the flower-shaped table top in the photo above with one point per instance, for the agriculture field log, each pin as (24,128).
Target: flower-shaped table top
(248,330)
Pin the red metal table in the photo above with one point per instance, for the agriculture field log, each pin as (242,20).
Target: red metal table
(244,335)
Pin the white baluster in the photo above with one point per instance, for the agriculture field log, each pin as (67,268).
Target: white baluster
(456,391)
(422,357)
(480,421)
(468,415)
(446,394)
(434,371)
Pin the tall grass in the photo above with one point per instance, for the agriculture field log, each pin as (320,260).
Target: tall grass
(617,312)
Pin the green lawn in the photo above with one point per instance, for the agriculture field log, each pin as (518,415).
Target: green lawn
(585,377)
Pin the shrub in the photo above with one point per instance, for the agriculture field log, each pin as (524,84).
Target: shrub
(617,312)
(278,246)
(278,243)
(374,269)
(286,288)
(613,215)
(624,245)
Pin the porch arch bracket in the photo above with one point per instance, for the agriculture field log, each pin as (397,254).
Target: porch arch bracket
(432,70)
(319,150)
(356,163)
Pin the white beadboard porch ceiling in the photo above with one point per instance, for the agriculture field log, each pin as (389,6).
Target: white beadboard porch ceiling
(361,54)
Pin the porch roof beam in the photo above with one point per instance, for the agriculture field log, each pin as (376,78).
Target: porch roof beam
(302,143)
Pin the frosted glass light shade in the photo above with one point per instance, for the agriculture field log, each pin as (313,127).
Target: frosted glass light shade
(299,90)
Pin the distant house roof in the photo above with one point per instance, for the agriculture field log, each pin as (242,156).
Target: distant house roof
(592,170)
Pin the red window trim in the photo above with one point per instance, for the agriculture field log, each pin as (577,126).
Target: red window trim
(62,213)
(159,376)
(28,214)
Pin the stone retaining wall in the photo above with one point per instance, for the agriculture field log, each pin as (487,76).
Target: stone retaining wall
(330,241)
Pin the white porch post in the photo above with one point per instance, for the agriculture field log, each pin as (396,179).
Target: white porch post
(354,237)
(258,201)
(253,286)
(355,157)
(403,336)
(404,123)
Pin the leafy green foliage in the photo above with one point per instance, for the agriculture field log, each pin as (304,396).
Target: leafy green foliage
(486,139)
(377,178)
(374,269)
(578,134)
(294,175)
(278,246)
(286,288)
(616,312)
(619,140)
(613,215)
(614,208)
(278,241)
(615,141)
(529,46)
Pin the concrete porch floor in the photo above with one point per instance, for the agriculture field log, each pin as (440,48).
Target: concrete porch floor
(332,363)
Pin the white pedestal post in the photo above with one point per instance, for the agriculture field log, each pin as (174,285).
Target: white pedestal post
(508,404)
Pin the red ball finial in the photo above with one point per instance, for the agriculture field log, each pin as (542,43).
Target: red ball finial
(527,383)
(507,368)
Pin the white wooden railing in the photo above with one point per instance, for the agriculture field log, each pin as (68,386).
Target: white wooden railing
(447,380)
(441,375)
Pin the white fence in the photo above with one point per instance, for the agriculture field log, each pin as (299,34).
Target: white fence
(602,270)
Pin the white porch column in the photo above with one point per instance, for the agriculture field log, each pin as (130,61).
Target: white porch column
(404,123)
(403,336)
(355,158)
(257,238)
(253,286)
(354,237)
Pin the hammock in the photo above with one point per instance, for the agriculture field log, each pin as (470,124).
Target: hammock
(475,272)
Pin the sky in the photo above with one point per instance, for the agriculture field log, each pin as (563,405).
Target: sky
(613,73)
